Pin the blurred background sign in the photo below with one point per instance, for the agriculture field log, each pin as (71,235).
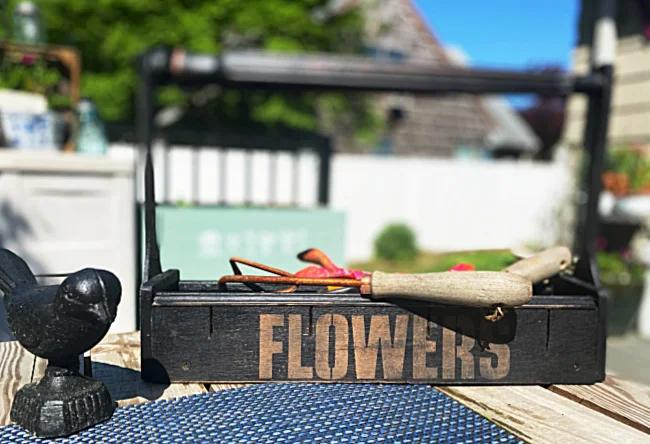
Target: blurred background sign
(199,241)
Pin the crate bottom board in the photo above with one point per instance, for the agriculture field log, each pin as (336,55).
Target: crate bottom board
(250,343)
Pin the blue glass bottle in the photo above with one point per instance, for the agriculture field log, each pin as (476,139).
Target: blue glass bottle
(92,138)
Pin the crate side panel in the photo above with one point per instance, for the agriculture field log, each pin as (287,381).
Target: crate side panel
(178,341)
(573,346)
(223,343)
(341,343)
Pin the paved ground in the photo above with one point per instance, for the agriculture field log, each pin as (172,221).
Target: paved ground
(629,358)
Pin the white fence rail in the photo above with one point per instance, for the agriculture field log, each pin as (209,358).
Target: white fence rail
(452,205)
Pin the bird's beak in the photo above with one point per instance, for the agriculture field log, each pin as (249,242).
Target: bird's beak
(100,313)
(113,292)
(112,284)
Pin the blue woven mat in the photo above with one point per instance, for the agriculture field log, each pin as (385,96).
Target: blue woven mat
(294,413)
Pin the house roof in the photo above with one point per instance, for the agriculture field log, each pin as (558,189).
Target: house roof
(437,124)
(426,29)
(509,129)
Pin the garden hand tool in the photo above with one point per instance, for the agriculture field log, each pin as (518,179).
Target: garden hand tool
(471,288)
(480,289)
(543,265)
(508,288)
(468,288)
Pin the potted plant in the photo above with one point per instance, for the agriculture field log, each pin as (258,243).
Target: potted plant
(22,72)
(623,277)
(627,177)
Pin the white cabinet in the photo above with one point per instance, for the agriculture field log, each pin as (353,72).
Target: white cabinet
(63,212)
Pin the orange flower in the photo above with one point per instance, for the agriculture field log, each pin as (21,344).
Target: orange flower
(616,183)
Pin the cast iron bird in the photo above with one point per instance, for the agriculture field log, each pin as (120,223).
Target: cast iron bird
(59,323)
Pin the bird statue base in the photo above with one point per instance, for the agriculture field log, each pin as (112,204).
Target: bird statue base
(59,323)
(64,402)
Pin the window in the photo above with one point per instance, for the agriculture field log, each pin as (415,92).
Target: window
(384,53)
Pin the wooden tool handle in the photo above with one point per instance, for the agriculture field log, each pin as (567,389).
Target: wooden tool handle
(542,265)
(466,288)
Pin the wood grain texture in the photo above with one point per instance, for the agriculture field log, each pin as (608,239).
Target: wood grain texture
(16,369)
(624,401)
(543,265)
(116,362)
(535,414)
(39,369)
(219,387)
(469,288)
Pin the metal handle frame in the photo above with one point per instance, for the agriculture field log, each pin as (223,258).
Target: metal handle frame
(163,66)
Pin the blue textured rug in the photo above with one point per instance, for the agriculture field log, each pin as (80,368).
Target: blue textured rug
(294,413)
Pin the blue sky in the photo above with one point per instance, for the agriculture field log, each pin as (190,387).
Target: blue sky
(506,33)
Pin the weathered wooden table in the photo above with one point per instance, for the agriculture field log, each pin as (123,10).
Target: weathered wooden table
(615,411)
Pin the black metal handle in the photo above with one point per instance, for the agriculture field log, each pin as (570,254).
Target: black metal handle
(331,72)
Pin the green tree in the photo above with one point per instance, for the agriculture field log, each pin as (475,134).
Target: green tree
(112,33)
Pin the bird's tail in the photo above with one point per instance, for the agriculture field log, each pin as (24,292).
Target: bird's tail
(13,271)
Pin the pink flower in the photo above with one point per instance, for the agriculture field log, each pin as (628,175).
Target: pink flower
(627,255)
(28,60)
(462,267)
(324,267)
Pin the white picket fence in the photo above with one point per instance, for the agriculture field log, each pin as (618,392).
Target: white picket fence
(451,204)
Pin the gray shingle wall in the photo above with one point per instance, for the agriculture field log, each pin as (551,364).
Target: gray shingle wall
(434,126)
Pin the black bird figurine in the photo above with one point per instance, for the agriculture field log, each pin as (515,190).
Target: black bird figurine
(59,323)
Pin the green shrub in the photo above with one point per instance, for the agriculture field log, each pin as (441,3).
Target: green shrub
(396,242)
(618,269)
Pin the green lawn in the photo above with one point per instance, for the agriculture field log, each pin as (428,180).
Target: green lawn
(427,262)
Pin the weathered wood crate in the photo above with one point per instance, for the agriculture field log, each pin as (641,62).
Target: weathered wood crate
(194,331)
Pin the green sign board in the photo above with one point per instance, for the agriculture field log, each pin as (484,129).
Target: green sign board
(199,241)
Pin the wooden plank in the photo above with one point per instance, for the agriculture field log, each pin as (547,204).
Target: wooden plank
(627,98)
(622,126)
(535,414)
(629,125)
(116,362)
(39,369)
(631,56)
(633,61)
(627,94)
(624,401)
(16,370)
(219,387)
